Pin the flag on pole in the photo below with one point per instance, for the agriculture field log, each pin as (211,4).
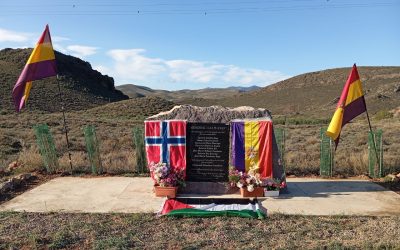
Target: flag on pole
(350,105)
(41,64)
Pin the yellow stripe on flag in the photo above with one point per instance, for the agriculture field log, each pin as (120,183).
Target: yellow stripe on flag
(42,52)
(336,124)
(27,91)
(355,92)
(251,144)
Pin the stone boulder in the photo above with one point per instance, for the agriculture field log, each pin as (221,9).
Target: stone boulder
(219,114)
(213,114)
(15,182)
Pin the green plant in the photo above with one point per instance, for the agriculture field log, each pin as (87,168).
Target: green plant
(112,243)
(383,114)
(62,239)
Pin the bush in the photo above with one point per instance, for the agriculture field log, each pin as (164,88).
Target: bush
(383,114)
(301,121)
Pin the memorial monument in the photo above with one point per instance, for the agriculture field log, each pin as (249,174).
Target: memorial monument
(199,139)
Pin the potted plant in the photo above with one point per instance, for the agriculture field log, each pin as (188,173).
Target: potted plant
(272,187)
(249,183)
(166,179)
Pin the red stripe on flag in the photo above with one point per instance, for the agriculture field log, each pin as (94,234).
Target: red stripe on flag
(353,75)
(177,128)
(177,156)
(153,153)
(173,204)
(153,128)
(352,78)
(45,37)
(265,149)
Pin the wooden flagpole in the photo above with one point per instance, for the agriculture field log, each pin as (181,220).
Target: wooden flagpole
(64,123)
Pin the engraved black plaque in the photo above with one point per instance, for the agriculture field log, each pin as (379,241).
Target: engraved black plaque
(207,152)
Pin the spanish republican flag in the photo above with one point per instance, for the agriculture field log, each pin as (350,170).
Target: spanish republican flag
(350,105)
(252,146)
(41,64)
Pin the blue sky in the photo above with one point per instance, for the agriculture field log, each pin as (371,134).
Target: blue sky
(169,44)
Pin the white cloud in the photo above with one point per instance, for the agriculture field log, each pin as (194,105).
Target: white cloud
(132,66)
(80,50)
(15,39)
(102,69)
(60,48)
(13,36)
(59,39)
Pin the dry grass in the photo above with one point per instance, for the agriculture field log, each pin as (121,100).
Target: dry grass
(351,157)
(123,231)
(114,123)
(31,159)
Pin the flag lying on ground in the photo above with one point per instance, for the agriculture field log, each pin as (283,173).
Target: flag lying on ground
(41,64)
(350,105)
(252,144)
(190,207)
(166,142)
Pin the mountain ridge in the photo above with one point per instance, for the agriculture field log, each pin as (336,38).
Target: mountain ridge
(316,93)
(82,87)
(312,94)
(134,91)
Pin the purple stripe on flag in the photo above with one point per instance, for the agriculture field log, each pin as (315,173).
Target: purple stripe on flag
(32,72)
(38,70)
(237,129)
(353,109)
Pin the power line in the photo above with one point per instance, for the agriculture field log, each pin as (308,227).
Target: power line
(208,10)
(156,4)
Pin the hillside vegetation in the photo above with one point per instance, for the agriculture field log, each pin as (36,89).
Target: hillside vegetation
(316,94)
(82,87)
(312,96)
(134,91)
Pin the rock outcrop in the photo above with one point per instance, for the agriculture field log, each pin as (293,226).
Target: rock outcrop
(82,87)
(213,114)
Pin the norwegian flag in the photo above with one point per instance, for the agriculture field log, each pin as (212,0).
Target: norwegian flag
(166,142)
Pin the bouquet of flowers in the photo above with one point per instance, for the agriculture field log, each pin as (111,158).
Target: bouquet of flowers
(164,176)
(252,179)
(240,179)
(273,184)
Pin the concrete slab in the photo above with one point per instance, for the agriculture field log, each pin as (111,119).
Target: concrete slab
(129,195)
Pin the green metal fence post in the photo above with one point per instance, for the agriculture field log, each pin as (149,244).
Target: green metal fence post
(93,149)
(138,143)
(280,137)
(326,154)
(375,166)
(47,148)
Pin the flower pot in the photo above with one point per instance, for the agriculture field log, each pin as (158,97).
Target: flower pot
(169,192)
(271,193)
(258,192)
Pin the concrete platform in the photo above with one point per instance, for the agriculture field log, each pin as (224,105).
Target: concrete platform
(130,195)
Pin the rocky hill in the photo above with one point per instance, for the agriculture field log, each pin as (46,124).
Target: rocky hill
(213,114)
(134,91)
(81,86)
(316,94)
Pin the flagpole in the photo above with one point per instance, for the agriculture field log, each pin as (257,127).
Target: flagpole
(64,123)
(373,138)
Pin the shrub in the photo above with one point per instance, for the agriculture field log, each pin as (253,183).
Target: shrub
(383,114)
